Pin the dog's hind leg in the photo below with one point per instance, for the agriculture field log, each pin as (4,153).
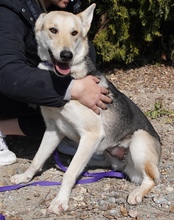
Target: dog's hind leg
(144,152)
(150,176)
(49,143)
(87,146)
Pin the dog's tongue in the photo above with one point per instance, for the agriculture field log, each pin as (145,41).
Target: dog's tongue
(62,68)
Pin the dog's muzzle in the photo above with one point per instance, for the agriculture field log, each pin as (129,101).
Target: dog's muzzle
(66,56)
(62,68)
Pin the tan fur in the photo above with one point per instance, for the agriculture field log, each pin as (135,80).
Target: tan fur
(150,171)
(93,132)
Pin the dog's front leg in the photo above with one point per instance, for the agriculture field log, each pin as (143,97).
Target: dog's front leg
(87,146)
(49,142)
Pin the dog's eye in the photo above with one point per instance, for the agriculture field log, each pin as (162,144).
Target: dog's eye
(53,30)
(74,33)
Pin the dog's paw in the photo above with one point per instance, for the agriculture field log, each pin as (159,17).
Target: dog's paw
(20,178)
(135,197)
(58,206)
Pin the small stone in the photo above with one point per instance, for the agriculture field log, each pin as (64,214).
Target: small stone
(169,189)
(78,198)
(19,171)
(112,200)
(160,200)
(133,213)
(81,204)
(113,212)
(107,187)
(101,202)
(43,211)
(83,190)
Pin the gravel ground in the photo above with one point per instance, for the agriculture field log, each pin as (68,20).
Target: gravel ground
(105,199)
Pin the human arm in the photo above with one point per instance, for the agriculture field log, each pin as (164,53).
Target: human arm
(19,80)
(26,83)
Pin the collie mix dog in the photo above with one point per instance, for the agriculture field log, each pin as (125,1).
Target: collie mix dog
(122,132)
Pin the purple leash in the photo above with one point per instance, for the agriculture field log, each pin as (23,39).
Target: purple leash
(93,177)
(2,217)
(97,176)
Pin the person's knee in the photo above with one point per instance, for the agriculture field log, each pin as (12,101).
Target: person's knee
(32,126)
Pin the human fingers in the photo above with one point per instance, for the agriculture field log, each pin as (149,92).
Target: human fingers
(97,80)
(101,105)
(96,109)
(104,91)
(105,99)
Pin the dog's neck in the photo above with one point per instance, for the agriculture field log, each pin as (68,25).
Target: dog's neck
(83,68)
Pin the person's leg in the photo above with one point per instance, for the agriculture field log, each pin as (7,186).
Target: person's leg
(11,127)
(17,118)
(23,126)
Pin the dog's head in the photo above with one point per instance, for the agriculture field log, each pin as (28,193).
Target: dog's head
(62,38)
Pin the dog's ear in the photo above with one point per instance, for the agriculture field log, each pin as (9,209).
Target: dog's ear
(86,17)
(39,22)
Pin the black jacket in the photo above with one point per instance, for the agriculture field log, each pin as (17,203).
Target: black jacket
(20,79)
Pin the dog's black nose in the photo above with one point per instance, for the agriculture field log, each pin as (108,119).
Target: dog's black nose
(66,56)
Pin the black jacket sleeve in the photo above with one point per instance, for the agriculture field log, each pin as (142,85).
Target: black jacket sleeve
(18,80)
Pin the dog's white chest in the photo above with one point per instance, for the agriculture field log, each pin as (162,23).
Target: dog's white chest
(73,119)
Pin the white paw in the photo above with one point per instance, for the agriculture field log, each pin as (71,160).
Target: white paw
(135,197)
(58,206)
(20,178)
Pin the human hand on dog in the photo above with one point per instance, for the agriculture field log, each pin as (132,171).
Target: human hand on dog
(89,93)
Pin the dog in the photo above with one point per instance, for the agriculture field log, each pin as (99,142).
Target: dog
(122,132)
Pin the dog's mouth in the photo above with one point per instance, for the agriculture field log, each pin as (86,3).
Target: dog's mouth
(61,68)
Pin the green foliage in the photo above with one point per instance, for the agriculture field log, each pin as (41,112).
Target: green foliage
(159,110)
(128,30)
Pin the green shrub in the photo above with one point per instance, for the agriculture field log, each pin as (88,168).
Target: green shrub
(131,30)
